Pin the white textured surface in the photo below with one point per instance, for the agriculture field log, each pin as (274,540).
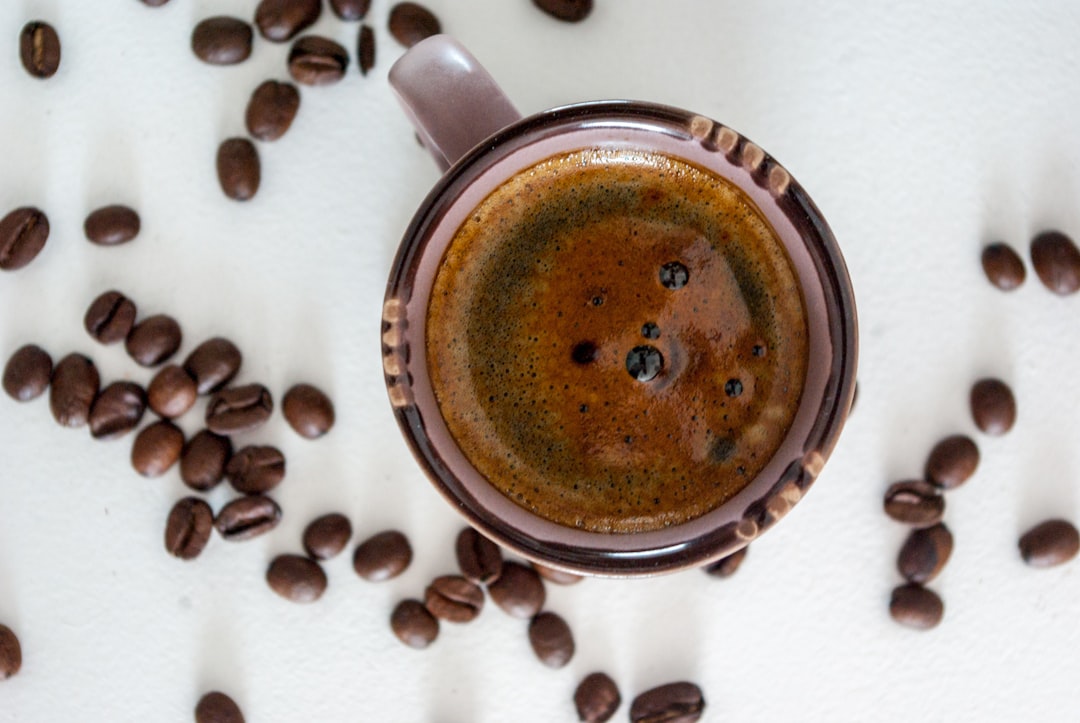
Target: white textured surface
(922,130)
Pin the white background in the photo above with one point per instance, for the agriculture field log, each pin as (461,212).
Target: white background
(922,130)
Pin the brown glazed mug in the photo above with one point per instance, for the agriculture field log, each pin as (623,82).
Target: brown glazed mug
(478,137)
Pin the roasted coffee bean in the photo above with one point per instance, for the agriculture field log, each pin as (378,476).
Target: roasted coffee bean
(213,364)
(188,528)
(382,556)
(153,340)
(519,591)
(27,373)
(551,639)
(993,406)
(1056,261)
(271,110)
(413,624)
(308,411)
(256,469)
(296,578)
(597,698)
(39,49)
(171,392)
(154,3)
(117,410)
(238,169)
(73,387)
(350,9)
(156,449)
(925,553)
(239,409)
(571,11)
(23,234)
(1050,543)
(365,49)
(315,60)
(222,40)
(952,461)
(110,317)
(478,557)
(203,460)
(281,20)
(727,566)
(559,577)
(247,517)
(916,606)
(411,22)
(326,536)
(216,707)
(454,599)
(10,652)
(914,502)
(1003,266)
(112,225)
(671,703)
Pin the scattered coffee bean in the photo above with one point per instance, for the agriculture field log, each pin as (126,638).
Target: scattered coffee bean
(326,536)
(382,556)
(247,517)
(153,340)
(952,461)
(350,9)
(222,40)
(597,698)
(727,566)
(916,606)
(454,599)
(925,553)
(256,469)
(39,49)
(171,392)
(23,234)
(1050,543)
(551,639)
(478,557)
(1056,261)
(993,406)
(73,387)
(110,317)
(296,578)
(112,225)
(239,409)
(117,410)
(10,652)
(213,364)
(914,502)
(203,460)
(1003,266)
(308,411)
(519,591)
(413,624)
(571,11)
(281,20)
(156,449)
(559,577)
(365,49)
(411,22)
(271,110)
(674,703)
(315,60)
(188,528)
(238,169)
(216,707)
(27,373)
(154,3)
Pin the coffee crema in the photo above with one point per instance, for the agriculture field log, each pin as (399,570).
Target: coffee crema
(617,340)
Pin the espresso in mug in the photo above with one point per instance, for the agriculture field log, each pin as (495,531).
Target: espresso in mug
(617,340)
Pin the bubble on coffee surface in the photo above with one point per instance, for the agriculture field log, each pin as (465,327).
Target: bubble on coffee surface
(644,362)
(584,352)
(733,387)
(650,330)
(673,275)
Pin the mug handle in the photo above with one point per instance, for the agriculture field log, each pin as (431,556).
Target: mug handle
(451,100)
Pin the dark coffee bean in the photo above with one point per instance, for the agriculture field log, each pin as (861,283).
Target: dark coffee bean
(154,3)
(559,577)
(1050,543)
(315,60)
(153,340)
(413,624)
(571,11)
(365,49)
(914,502)
(916,606)
(597,698)
(222,40)
(271,110)
(256,469)
(213,364)
(411,22)
(203,460)
(117,410)
(952,461)
(350,9)
(671,703)
(27,373)
(296,578)
(239,409)
(1056,261)
(551,639)
(112,225)
(10,652)
(73,387)
(382,556)
(282,20)
(1003,266)
(23,234)
(925,553)
(39,49)
(216,707)
(727,566)
(478,557)
(993,406)
(156,448)
(188,528)
(326,536)
(171,392)
(519,591)
(247,517)
(238,169)
(110,317)
(308,411)
(454,599)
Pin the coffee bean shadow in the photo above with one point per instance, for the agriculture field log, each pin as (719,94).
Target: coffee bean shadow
(1048,488)
(452,688)
(220,667)
(110,174)
(670,648)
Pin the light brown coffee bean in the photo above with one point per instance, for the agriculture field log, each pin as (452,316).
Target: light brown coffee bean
(73,387)
(326,536)
(203,460)
(171,392)
(188,528)
(454,599)
(382,556)
(952,461)
(413,624)
(27,373)
(1056,261)
(727,566)
(597,698)
(411,22)
(256,469)
(156,448)
(916,607)
(153,340)
(39,49)
(478,557)
(365,49)
(247,517)
(924,553)
(551,639)
(308,411)
(519,591)
(213,364)
(10,653)
(1050,543)
(671,703)
(570,11)
(558,577)
(239,409)
(350,9)
(117,410)
(993,406)
(914,502)
(238,168)
(23,234)
(112,225)
(216,707)
(315,60)
(222,40)
(1003,266)
(110,317)
(296,578)
(271,110)
(281,20)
